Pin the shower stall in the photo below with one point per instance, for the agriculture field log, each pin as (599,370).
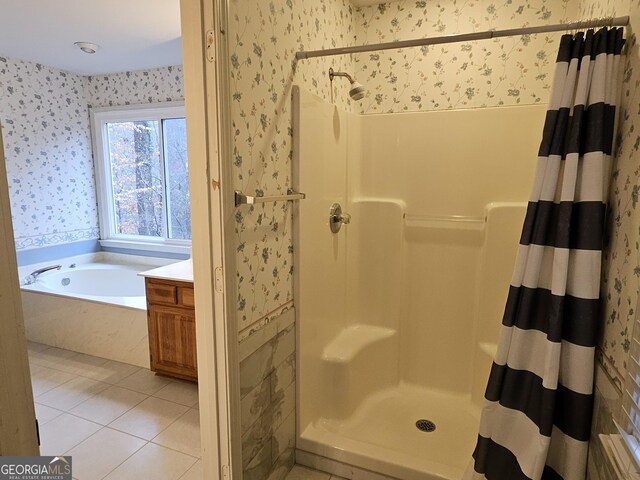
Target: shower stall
(399,300)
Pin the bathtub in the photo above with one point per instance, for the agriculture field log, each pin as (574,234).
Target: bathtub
(97,282)
(95,304)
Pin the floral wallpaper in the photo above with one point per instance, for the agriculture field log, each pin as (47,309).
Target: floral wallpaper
(130,88)
(47,142)
(44,114)
(264,37)
(621,260)
(487,73)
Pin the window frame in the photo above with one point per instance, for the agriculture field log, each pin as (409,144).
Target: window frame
(109,236)
(625,422)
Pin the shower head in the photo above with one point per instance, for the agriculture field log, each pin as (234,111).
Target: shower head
(356,91)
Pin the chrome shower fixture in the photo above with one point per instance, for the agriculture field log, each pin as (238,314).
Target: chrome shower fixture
(357,90)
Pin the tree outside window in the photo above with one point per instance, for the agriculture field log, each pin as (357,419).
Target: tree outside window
(146,174)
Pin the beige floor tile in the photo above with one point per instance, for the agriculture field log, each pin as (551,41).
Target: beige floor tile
(144,381)
(194,473)
(71,393)
(112,371)
(303,473)
(184,393)
(106,406)
(65,432)
(149,418)
(33,347)
(98,455)
(34,367)
(153,462)
(81,364)
(183,434)
(45,379)
(45,414)
(52,357)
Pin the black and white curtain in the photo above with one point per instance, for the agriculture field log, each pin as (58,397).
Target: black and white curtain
(536,419)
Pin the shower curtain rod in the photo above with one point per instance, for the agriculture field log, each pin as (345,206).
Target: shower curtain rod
(467,37)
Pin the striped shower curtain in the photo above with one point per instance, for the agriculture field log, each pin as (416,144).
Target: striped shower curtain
(536,419)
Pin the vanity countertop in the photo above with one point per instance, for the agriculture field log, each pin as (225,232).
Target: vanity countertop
(179,271)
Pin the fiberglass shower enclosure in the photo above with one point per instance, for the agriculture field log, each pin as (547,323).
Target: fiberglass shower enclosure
(399,312)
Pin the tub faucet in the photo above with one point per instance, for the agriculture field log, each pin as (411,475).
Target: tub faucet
(31,278)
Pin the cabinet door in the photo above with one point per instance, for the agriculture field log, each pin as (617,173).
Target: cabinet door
(172,338)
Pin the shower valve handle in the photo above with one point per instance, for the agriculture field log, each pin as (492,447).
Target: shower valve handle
(345,218)
(337,218)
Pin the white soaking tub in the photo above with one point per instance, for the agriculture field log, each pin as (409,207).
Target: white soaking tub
(95,304)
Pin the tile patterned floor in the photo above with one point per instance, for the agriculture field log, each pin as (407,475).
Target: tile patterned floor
(118,421)
(303,473)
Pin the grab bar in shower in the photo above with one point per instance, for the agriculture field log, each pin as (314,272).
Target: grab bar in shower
(243,199)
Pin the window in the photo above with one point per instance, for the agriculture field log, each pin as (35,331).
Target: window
(628,421)
(143,178)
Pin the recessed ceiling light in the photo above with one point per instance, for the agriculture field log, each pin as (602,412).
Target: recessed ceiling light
(87,47)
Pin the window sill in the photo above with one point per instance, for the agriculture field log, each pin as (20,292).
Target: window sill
(620,458)
(159,247)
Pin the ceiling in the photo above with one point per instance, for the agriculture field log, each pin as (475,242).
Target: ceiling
(132,34)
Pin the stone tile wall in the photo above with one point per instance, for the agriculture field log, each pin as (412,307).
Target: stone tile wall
(268,405)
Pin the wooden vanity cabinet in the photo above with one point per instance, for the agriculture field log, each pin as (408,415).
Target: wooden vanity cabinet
(172,328)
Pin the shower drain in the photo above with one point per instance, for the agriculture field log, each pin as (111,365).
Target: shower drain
(425,425)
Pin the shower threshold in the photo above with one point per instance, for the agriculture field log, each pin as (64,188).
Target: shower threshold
(381,435)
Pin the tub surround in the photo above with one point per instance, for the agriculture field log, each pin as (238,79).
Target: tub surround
(65,250)
(108,331)
(89,326)
(144,253)
(37,255)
